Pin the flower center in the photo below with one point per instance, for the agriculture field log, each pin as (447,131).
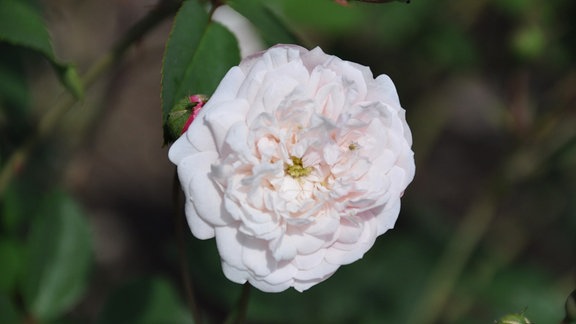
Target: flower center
(296,169)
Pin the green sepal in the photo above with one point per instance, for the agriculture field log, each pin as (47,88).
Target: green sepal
(177,118)
(70,78)
(514,319)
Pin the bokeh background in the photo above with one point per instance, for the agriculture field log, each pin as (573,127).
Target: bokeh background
(488,227)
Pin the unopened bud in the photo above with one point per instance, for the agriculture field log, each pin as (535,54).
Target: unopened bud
(345,2)
(514,319)
(529,42)
(183,113)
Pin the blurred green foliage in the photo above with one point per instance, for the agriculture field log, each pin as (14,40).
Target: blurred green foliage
(152,300)
(489,87)
(22,25)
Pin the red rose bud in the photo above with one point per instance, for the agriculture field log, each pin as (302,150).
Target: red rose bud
(196,102)
(182,115)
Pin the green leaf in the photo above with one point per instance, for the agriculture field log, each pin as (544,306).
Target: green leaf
(273,30)
(198,55)
(8,311)
(145,301)
(13,86)
(11,209)
(59,257)
(525,287)
(11,261)
(324,16)
(21,25)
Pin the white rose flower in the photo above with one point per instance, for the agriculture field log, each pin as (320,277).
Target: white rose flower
(295,164)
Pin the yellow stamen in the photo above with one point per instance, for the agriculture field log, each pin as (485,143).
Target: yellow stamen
(296,169)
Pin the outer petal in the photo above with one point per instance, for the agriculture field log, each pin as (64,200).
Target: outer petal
(230,247)
(199,188)
(227,89)
(282,275)
(387,217)
(318,273)
(222,116)
(268,287)
(348,252)
(384,90)
(199,227)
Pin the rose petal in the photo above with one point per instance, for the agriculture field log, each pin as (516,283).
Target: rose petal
(199,187)
(282,275)
(181,149)
(387,217)
(254,255)
(235,274)
(221,119)
(267,287)
(323,270)
(229,247)
(199,227)
(309,261)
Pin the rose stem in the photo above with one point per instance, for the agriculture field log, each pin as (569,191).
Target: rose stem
(238,314)
(184,269)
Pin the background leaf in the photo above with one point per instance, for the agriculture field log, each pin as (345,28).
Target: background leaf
(59,257)
(8,311)
(272,29)
(152,300)
(21,25)
(13,86)
(198,55)
(321,15)
(11,261)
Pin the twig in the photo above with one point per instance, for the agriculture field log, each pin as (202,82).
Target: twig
(238,314)
(184,269)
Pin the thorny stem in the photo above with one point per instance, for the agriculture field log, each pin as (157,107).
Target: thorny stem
(49,121)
